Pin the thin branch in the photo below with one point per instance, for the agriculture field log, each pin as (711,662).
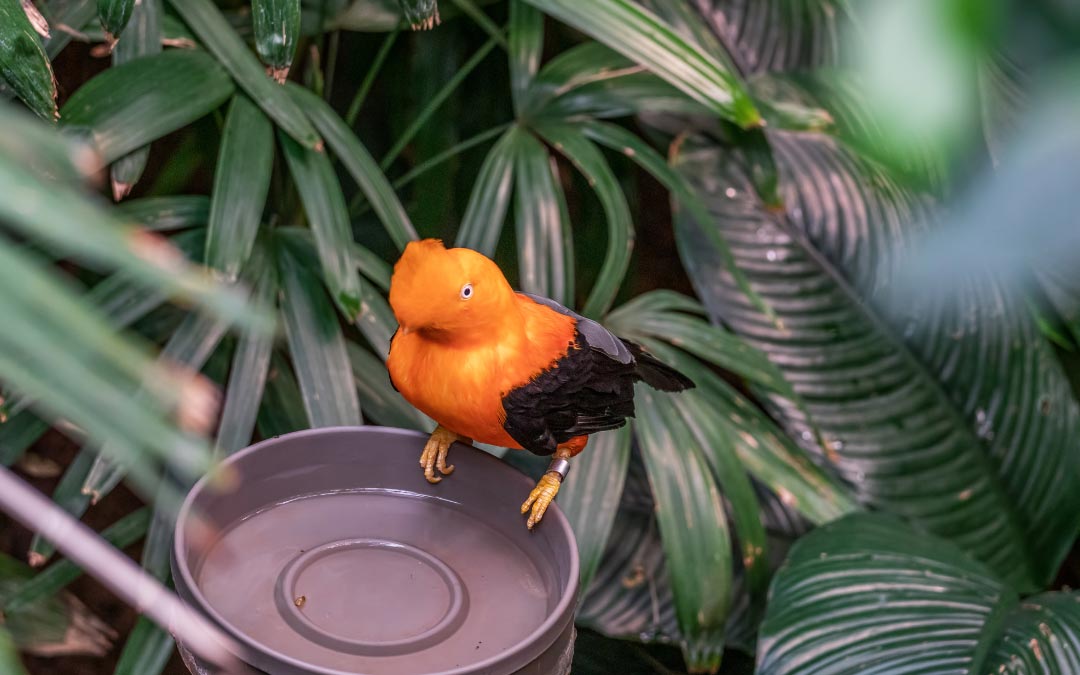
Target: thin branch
(116,571)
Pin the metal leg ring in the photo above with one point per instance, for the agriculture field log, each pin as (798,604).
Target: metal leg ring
(559,466)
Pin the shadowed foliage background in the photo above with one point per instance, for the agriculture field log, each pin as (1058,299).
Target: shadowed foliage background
(851,223)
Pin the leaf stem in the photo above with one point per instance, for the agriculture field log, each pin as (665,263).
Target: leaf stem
(331,64)
(358,207)
(469,8)
(450,152)
(436,101)
(369,79)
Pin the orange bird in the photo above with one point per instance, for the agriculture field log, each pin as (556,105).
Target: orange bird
(506,368)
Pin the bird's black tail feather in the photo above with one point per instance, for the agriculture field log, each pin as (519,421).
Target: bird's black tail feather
(656,373)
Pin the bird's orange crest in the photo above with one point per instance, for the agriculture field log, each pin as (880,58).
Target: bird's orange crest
(446,293)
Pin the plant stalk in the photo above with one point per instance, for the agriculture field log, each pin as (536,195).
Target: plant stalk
(358,206)
(436,101)
(369,79)
(116,571)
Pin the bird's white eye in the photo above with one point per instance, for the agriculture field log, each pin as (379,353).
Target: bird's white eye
(466,291)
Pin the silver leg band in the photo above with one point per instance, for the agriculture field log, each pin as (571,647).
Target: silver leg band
(559,466)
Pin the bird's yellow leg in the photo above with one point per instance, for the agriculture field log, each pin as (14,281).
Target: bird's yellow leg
(435,450)
(546,488)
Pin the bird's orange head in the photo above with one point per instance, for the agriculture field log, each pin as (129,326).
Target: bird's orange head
(448,294)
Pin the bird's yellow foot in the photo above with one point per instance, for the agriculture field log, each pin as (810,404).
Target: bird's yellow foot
(541,497)
(435,450)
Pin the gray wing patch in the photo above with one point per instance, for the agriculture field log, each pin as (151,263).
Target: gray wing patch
(598,337)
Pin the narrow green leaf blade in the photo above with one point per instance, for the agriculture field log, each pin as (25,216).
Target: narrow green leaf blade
(317,347)
(128,106)
(592,80)
(45,584)
(114,15)
(282,408)
(64,356)
(372,267)
(765,451)
(380,401)
(700,26)
(277,28)
(189,346)
(69,496)
(590,496)
(693,527)
(620,140)
(23,62)
(57,626)
(147,650)
(162,214)
(575,67)
(644,38)
(40,150)
(660,300)
(484,216)
(142,38)
(328,216)
(10,663)
(215,33)
(545,265)
(142,35)
(591,163)
(359,163)
(241,183)
(127,170)
(155,550)
(124,301)
(696,408)
(247,380)
(526,40)
(706,341)
(376,321)
(18,434)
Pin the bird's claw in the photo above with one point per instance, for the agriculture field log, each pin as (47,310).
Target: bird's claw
(541,497)
(434,455)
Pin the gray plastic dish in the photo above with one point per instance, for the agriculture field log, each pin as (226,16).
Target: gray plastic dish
(333,556)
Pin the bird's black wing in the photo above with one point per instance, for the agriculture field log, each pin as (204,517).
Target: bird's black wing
(589,389)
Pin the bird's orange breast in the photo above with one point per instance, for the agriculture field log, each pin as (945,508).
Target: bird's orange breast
(461,386)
